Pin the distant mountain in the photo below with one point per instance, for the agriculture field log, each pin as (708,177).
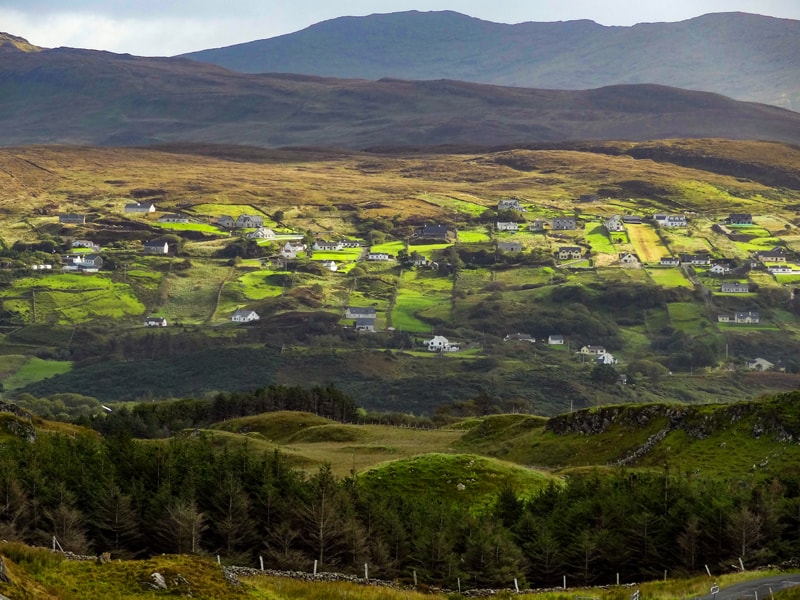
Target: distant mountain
(744,56)
(90,97)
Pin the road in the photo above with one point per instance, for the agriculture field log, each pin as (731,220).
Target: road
(756,588)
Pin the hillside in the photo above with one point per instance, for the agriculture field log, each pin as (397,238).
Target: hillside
(83,332)
(98,98)
(745,56)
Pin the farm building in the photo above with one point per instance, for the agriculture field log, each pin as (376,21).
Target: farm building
(71,219)
(85,244)
(155,322)
(614,224)
(740,219)
(565,223)
(509,226)
(569,253)
(605,359)
(435,232)
(156,248)
(665,220)
(139,207)
(555,340)
(509,204)
(325,246)
(173,218)
(330,265)
(719,269)
(509,246)
(760,364)
(628,259)
(777,254)
(735,288)
(537,225)
(519,337)
(632,219)
(262,233)
(225,221)
(244,315)
(670,261)
(380,256)
(439,343)
(359,312)
(247,221)
(290,250)
(365,324)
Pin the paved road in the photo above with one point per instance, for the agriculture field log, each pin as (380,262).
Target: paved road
(757,588)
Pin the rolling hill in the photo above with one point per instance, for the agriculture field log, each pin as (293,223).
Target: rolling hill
(89,97)
(745,56)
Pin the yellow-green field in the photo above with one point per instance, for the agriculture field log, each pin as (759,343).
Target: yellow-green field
(646,243)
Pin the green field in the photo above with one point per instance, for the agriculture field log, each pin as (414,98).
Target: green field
(205,228)
(597,236)
(417,292)
(66,298)
(454,204)
(35,369)
(668,278)
(258,285)
(393,248)
(473,236)
(687,316)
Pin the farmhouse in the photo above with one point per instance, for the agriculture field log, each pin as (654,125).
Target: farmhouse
(290,250)
(262,233)
(330,265)
(137,207)
(510,226)
(564,223)
(735,288)
(695,259)
(628,259)
(86,263)
(439,343)
(435,232)
(380,256)
(85,244)
(519,337)
(777,254)
(665,220)
(156,248)
(358,312)
(365,324)
(155,322)
(244,315)
(569,253)
(605,359)
(719,269)
(509,204)
(670,261)
(614,224)
(249,221)
(740,219)
(173,218)
(509,246)
(760,364)
(747,317)
(725,318)
(71,219)
(225,221)
(325,246)
(593,350)
(555,340)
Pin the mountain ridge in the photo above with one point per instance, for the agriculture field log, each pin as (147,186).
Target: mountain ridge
(99,98)
(745,56)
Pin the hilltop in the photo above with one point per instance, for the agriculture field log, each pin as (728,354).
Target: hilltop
(744,56)
(98,98)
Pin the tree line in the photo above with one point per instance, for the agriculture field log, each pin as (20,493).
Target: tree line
(188,494)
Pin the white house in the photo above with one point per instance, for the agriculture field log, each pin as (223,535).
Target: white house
(290,250)
(509,204)
(670,261)
(360,312)
(614,224)
(365,324)
(380,256)
(330,265)
(569,253)
(719,269)
(628,259)
(262,233)
(173,218)
(156,248)
(665,220)
(155,322)
(439,343)
(509,226)
(735,288)
(605,359)
(555,340)
(324,246)
(760,364)
(225,221)
(136,207)
(593,350)
(244,315)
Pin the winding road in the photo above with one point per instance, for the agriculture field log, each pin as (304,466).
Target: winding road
(756,589)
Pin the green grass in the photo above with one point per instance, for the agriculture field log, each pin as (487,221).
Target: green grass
(205,228)
(460,479)
(454,204)
(473,237)
(34,369)
(258,285)
(687,316)
(669,278)
(393,248)
(597,236)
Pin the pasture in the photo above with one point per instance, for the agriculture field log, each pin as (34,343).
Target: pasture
(646,243)
(461,204)
(668,277)
(597,237)
(687,316)
(34,369)
(418,291)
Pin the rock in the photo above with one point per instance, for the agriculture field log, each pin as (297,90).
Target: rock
(3,572)
(157,581)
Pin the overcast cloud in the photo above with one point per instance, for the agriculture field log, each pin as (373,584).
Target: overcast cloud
(169,27)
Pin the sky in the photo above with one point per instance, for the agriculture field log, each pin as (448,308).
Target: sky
(170,27)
